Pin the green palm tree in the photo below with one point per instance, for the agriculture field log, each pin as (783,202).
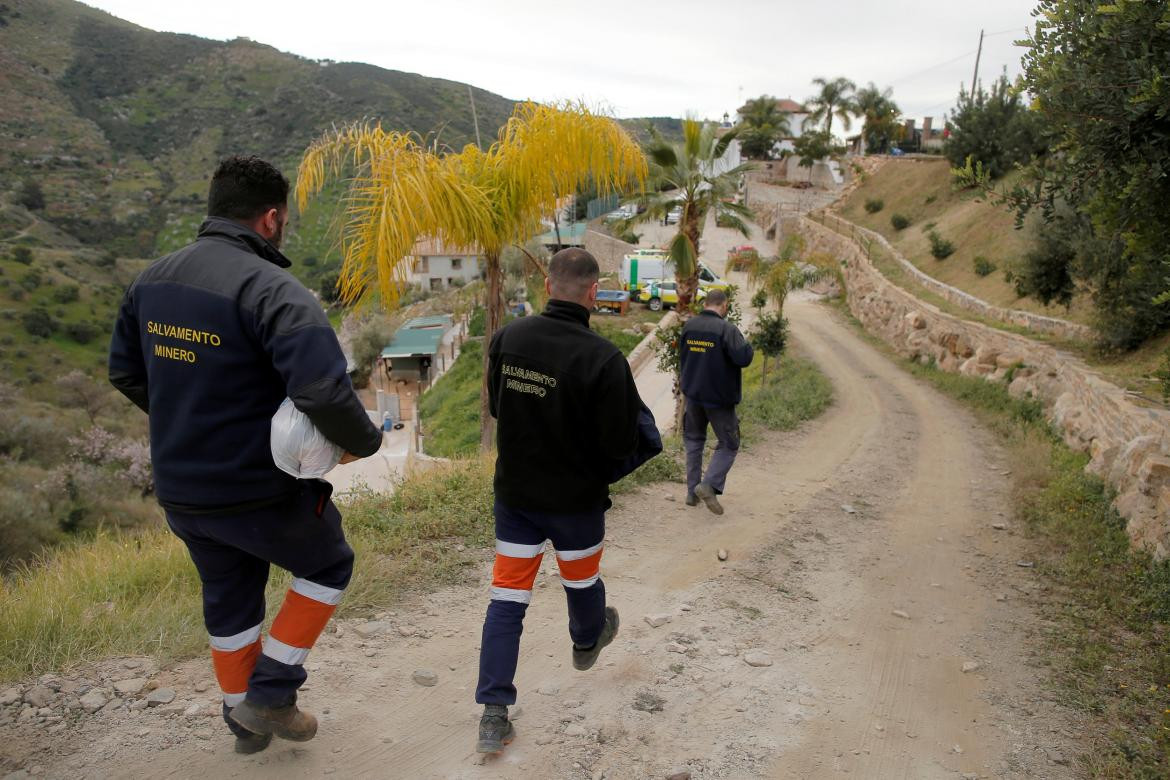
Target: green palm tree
(834,99)
(879,112)
(685,175)
(762,124)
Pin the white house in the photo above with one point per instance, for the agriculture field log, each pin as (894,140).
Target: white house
(438,266)
(797,114)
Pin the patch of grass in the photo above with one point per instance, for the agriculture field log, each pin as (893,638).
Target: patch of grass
(129,594)
(795,391)
(983,266)
(450,409)
(668,466)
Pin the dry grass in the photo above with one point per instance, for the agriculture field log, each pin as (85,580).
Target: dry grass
(976,228)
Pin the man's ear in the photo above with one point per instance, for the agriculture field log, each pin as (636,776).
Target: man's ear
(548,285)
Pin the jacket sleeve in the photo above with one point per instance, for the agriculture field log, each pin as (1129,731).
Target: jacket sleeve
(294,331)
(616,409)
(127,368)
(738,350)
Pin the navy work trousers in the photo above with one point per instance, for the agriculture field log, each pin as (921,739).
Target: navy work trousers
(233,553)
(578,541)
(725,424)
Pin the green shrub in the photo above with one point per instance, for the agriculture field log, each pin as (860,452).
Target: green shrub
(930,199)
(940,248)
(874,205)
(22,255)
(983,266)
(38,322)
(81,332)
(67,293)
(478,322)
(900,221)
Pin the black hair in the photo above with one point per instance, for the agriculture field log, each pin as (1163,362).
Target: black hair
(572,271)
(715,297)
(243,188)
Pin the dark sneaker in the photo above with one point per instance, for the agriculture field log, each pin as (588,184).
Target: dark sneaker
(707,494)
(285,722)
(252,743)
(495,730)
(584,658)
(692,499)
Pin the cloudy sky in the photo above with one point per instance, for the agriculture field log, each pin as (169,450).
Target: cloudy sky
(638,57)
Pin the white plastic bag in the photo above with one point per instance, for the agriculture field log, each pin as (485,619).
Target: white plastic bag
(298,448)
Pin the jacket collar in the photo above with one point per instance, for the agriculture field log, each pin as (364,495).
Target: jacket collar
(218,227)
(714,314)
(566,310)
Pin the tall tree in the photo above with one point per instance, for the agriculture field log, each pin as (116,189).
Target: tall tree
(401,191)
(762,124)
(995,128)
(834,98)
(1100,83)
(688,176)
(813,147)
(879,113)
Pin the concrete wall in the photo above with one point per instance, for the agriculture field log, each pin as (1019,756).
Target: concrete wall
(1129,443)
(607,250)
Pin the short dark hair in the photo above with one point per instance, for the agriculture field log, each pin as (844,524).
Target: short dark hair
(572,271)
(246,187)
(715,297)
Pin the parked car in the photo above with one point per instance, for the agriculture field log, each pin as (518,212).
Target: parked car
(674,215)
(625,211)
(659,294)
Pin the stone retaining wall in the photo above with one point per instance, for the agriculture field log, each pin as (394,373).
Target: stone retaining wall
(1129,444)
(1037,323)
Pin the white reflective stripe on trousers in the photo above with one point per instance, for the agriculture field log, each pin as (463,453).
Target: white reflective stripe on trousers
(512,594)
(235,642)
(311,590)
(514,550)
(232,699)
(579,584)
(286,654)
(576,555)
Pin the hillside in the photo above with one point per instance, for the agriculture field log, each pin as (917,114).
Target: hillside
(921,191)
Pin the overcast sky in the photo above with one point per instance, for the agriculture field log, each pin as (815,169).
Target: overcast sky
(638,57)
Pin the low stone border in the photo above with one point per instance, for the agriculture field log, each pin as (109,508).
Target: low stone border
(1129,444)
(645,349)
(1037,323)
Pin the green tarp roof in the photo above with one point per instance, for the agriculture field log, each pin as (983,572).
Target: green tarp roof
(420,336)
(573,234)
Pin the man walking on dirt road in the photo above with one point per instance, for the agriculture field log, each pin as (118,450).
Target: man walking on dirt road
(209,341)
(712,355)
(567,406)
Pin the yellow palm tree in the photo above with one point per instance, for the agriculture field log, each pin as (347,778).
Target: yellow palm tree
(400,191)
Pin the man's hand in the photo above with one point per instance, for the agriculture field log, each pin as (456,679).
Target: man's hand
(348,458)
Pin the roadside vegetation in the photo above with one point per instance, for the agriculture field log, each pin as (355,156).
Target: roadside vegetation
(1105,612)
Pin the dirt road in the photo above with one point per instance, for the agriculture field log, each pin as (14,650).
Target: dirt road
(864,572)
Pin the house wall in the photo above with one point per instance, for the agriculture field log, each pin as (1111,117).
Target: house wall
(440,267)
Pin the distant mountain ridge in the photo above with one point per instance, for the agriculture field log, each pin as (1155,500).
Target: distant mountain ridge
(121,125)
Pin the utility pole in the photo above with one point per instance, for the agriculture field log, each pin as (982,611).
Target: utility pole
(978,54)
(475,117)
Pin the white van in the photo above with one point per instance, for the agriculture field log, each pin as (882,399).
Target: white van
(647,264)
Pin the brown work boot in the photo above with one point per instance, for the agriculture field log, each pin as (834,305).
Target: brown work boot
(286,722)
